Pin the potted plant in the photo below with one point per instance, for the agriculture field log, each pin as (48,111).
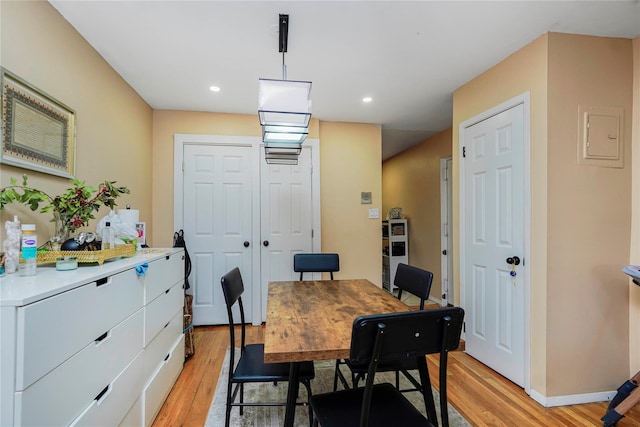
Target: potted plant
(71,210)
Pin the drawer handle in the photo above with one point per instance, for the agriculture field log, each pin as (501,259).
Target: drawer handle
(102,393)
(101,337)
(167,257)
(167,358)
(167,291)
(102,281)
(167,324)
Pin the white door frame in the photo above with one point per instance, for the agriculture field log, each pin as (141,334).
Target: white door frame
(255,142)
(446,225)
(523,99)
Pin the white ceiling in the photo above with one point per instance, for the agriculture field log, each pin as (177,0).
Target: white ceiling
(409,56)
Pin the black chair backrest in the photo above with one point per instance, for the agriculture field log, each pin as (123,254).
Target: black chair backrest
(413,334)
(232,288)
(408,334)
(413,280)
(316,263)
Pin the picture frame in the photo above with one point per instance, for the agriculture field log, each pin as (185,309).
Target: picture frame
(38,131)
(141,229)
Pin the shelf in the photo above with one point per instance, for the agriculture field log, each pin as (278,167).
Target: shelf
(395,249)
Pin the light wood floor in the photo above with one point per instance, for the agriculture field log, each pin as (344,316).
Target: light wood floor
(479,394)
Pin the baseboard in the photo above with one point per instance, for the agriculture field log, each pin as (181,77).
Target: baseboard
(573,399)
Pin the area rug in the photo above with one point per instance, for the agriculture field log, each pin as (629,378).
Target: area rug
(273,416)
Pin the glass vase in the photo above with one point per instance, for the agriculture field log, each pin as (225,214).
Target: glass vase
(61,232)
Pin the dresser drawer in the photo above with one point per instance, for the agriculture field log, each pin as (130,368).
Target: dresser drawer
(52,330)
(134,416)
(160,311)
(115,403)
(161,382)
(161,345)
(58,397)
(161,274)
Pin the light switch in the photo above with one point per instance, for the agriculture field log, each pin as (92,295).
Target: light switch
(374,213)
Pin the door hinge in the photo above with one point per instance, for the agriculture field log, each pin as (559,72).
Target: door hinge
(444,174)
(183,166)
(464,326)
(464,151)
(312,233)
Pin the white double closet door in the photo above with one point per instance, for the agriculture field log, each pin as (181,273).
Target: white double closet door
(238,211)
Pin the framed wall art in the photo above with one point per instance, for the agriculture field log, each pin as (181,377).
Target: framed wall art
(38,132)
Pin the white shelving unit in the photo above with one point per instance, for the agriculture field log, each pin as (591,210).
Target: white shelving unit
(395,249)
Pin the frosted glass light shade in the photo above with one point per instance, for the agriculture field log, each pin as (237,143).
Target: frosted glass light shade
(284,102)
(284,134)
(281,158)
(280,148)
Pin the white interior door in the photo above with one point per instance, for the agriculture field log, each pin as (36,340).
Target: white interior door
(286,218)
(217,209)
(493,215)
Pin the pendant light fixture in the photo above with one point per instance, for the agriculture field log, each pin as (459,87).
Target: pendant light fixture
(284,110)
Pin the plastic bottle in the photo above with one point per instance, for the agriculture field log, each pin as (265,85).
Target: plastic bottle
(11,245)
(108,238)
(29,250)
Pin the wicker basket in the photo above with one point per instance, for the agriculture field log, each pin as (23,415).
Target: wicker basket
(85,257)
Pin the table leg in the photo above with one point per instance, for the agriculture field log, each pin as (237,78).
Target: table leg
(292,394)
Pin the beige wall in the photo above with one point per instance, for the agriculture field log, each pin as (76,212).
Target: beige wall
(350,158)
(113,123)
(411,180)
(634,310)
(589,213)
(580,216)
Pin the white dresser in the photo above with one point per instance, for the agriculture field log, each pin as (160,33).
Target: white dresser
(96,346)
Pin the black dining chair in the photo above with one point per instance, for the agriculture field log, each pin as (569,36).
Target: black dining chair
(316,263)
(251,367)
(415,281)
(320,263)
(384,338)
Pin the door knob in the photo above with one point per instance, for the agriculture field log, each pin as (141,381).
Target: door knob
(246,244)
(265,243)
(513,260)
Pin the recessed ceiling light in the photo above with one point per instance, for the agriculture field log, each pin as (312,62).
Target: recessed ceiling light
(214,88)
(367,99)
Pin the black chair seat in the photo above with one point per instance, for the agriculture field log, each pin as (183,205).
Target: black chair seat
(251,367)
(389,408)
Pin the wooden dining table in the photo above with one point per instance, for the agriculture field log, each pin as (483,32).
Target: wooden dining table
(312,320)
